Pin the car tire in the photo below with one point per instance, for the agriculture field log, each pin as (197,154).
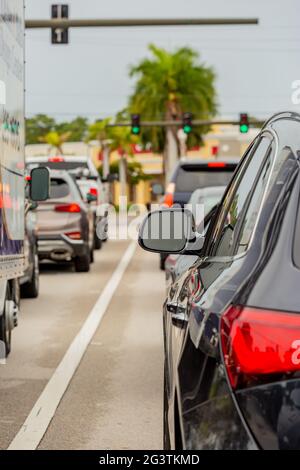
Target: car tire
(166,432)
(5,331)
(92,256)
(82,263)
(30,289)
(97,242)
(161,264)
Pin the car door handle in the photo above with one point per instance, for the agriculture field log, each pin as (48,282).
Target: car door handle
(178,313)
(172,307)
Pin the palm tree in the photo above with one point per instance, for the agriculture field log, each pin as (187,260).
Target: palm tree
(123,141)
(169,84)
(55,140)
(114,138)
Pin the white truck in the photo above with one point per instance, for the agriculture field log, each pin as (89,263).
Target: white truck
(12,167)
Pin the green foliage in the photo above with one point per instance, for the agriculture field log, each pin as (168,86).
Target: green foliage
(40,125)
(55,139)
(135,171)
(169,84)
(99,131)
(77,129)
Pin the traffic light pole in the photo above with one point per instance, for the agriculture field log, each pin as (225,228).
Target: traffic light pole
(111,23)
(195,123)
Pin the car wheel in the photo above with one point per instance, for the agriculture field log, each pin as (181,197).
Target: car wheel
(97,242)
(167,444)
(92,257)
(30,290)
(161,264)
(5,330)
(82,263)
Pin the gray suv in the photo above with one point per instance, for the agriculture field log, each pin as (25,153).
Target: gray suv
(65,224)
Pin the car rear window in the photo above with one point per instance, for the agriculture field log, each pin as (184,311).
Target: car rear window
(59,165)
(191,177)
(59,188)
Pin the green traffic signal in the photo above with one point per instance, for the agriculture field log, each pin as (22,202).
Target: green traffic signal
(187,123)
(136,130)
(244,128)
(187,129)
(244,123)
(135,124)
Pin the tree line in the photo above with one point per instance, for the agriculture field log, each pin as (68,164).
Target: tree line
(167,85)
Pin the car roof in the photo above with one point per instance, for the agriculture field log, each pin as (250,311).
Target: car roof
(203,160)
(67,158)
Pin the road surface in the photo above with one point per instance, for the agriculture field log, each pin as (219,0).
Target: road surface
(114,400)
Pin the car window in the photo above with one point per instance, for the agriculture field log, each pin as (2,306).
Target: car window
(191,177)
(233,212)
(251,214)
(59,188)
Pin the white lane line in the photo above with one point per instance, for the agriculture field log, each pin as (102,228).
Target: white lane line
(38,420)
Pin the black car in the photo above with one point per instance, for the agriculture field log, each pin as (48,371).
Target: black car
(192,174)
(232,321)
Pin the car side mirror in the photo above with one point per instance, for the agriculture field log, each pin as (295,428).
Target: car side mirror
(91,198)
(39,184)
(33,205)
(170,231)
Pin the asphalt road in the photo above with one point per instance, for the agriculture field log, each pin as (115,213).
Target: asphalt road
(114,400)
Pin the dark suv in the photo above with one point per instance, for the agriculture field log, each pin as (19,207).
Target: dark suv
(191,174)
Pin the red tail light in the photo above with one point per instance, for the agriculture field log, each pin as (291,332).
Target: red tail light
(56,159)
(258,343)
(216,165)
(94,192)
(74,235)
(73,207)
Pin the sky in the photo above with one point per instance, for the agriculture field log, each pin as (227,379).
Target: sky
(255,65)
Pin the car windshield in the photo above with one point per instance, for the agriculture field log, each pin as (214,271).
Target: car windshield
(191,177)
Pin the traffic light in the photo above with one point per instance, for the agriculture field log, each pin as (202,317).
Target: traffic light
(244,123)
(60,35)
(187,123)
(135,124)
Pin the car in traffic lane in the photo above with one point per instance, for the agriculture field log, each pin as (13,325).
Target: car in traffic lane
(193,174)
(65,224)
(232,320)
(202,204)
(83,169)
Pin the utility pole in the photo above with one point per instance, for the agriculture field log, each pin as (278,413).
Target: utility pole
(105,167)
(145,22)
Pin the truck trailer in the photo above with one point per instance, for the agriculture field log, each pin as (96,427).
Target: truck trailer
(12,166)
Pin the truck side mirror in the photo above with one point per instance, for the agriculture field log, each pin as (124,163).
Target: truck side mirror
(39,184)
